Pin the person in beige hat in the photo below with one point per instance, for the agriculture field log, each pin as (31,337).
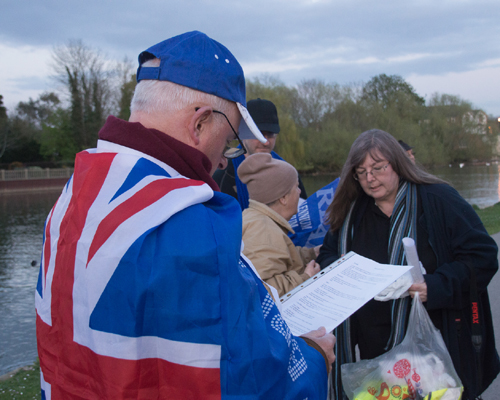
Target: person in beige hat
(274,192)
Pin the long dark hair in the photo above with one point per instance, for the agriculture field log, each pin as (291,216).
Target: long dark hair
(373,143)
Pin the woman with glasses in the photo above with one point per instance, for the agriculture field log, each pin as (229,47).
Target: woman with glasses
(383,197)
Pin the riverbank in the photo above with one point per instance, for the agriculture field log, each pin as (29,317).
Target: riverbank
(490,216)
(22,383)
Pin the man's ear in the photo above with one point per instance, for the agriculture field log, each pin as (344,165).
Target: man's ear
(198,123)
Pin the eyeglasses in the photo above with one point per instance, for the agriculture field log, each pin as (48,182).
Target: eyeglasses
(376,171)
(231,152)
(269,135)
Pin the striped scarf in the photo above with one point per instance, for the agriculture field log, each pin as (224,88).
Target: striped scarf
(403,224)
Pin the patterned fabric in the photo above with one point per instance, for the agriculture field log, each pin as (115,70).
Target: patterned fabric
(138,294)
(403,223)
(309,222)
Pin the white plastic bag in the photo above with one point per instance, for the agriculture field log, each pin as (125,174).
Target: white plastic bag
(420,365)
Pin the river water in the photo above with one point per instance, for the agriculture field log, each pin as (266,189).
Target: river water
(478,185)
(21,224)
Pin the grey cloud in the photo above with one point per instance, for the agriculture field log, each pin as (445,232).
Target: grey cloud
(455,36)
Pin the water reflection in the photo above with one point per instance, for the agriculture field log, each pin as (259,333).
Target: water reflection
(21,228)
(479,184)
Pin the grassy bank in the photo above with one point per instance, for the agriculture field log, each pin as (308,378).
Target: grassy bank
(25,383)
(490,217)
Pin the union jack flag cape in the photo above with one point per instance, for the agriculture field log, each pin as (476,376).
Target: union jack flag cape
(143,293)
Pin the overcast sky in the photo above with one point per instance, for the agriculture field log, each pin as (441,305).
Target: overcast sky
(444,46)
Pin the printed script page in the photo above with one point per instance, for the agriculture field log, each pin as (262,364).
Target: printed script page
(332,295)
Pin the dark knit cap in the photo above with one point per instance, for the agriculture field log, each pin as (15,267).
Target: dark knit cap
(267,179)
(405,146)
(264,114)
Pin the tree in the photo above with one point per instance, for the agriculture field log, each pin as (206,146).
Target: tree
(386,93)
(447,122)
(125,84)
(57,142)
(26,126)
(313,100)
(87,77)
(3,127)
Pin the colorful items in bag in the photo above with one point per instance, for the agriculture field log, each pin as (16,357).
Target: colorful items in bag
(403,381)
(425,375)
(401,393)
(420,367)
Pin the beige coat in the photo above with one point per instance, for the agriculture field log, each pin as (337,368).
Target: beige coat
(279,262)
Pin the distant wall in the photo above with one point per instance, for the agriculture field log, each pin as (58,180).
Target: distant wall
(34,179)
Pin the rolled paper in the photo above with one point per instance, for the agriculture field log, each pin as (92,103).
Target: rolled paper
(412,259)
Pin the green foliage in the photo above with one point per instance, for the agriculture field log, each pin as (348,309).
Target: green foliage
(29,127)
(3,110)
(4,127)
(313,100)
(392,92)
(446,122)
(327,118)
(87,77)
(328,148)
(319,120)
(126,94)
(288,144)
(57,141)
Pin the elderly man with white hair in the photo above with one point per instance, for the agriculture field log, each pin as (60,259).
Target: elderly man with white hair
(143,291)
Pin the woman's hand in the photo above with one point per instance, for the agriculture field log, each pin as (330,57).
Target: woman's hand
(421,288)
(312,268)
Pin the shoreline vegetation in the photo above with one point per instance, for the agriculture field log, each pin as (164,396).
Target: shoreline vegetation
(24,382)
(320,120)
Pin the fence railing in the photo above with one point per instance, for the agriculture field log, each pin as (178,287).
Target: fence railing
(34,173)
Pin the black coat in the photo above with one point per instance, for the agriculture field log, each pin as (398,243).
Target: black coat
(457,237)
(226,179)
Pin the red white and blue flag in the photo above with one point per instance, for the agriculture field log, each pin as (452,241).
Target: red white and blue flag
(130,306)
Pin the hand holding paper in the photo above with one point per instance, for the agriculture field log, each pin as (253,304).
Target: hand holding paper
(400,288)
(412,258)
(397,289)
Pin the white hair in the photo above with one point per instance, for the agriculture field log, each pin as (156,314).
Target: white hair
(154,96)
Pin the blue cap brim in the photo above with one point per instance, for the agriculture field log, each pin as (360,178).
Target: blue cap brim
(247,128)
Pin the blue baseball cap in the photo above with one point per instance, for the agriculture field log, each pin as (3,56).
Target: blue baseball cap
(196,61)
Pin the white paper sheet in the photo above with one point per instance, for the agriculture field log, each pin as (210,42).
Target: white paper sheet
(331,296)
(412,259)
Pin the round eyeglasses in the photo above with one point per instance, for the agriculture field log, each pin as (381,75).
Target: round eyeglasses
(376,171)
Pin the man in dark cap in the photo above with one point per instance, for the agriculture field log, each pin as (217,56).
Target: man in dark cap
(143,292)
(409,150)
(265,116)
